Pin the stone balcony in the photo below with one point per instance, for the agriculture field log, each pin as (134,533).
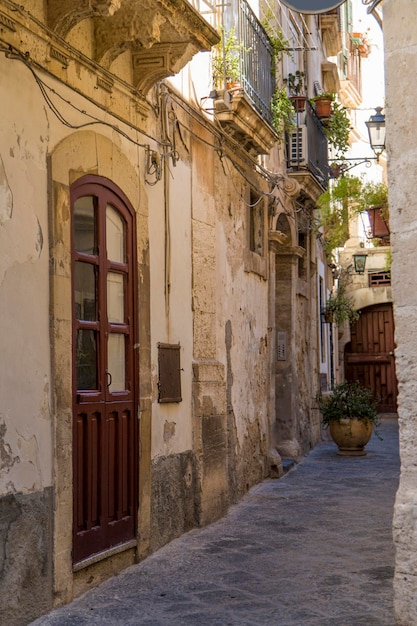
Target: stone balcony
(240,120)
(162,36)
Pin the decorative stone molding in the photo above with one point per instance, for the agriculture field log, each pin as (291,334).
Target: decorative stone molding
(244,124)
(292,187)
(64,15)
(163,35)
(309,185)
(151,66)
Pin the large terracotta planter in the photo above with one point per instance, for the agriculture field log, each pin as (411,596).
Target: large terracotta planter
(351,435)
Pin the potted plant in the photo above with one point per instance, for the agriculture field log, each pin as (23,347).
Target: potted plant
(295,84)
(339,308)
(322,104)
(226,60)
(349,411)
(375,202)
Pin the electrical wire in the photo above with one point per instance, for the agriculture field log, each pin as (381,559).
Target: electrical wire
(44,88)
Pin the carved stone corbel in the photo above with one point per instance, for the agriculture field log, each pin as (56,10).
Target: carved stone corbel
(64,15)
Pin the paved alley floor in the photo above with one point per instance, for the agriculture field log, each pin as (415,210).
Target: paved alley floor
(311,549)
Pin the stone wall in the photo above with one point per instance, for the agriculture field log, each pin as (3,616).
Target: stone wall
(400,34)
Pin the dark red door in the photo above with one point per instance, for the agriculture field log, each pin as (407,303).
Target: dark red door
(369,357)
(104,398)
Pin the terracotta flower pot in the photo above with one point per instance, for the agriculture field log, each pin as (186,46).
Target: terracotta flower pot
(299,103)
(323,107)
(351,435)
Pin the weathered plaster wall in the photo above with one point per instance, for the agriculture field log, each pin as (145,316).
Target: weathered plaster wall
(25,383)
(400,32)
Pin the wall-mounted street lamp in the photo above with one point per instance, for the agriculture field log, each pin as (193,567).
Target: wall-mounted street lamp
(376,130)
(359,261)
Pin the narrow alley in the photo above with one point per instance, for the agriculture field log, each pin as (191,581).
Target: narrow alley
(311,549)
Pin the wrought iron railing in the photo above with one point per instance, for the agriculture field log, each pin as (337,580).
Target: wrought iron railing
(257,71)
(307,147)
(317,150)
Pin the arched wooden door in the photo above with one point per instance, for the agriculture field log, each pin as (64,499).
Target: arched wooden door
(104,391)
(369,357)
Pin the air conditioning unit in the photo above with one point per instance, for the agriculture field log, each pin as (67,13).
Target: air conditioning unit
(298,147)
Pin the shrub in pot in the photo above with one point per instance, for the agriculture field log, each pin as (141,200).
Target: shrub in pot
(349,411)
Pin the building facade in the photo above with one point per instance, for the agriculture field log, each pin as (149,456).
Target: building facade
(159,267)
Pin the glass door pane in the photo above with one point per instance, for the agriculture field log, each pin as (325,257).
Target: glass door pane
(115,298)
(86,360)
(115,235)
(116,359)
(84,221)
(85,291)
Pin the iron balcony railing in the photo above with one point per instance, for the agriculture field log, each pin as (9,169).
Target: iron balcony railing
(307,147)
(256,56)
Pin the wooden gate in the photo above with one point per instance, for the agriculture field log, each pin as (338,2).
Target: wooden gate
(369,357)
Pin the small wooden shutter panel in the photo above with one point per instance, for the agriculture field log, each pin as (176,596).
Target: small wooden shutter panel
(169,383)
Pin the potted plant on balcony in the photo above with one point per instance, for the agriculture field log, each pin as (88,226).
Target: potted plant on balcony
(226,60)
(349,411)
(295,84)
(322,104)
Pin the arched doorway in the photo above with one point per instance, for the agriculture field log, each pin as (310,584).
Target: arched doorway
(104,378)
(369,356)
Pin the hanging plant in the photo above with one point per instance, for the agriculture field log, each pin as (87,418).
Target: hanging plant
(337,129)
(340,308)
(335,209)
(282,112)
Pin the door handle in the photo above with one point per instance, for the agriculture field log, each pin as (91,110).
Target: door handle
(109,378)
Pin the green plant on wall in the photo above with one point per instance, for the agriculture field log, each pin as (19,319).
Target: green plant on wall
(282,112)
(337,129)
(226,58)
(344,199)
(335,208)
(339,307)
(280,44)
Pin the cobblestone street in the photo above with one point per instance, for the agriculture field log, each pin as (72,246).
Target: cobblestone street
(311,549)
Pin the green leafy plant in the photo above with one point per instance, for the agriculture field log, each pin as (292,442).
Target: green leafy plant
(337,129)
(339,307)
(347,401)
(295,83)
(328,95)
(344,199)
(226,58)
(280,44)
(335,210)
(282,112)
